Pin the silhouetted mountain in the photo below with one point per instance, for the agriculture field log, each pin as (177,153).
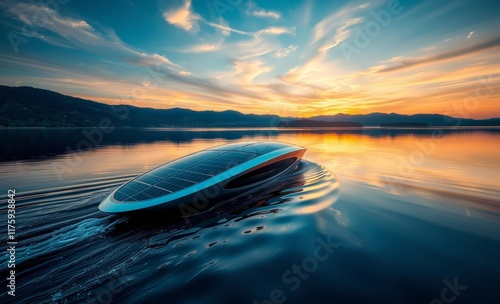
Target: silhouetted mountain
(27,107)
(31,107)
(318,124)
(377,119)
(405,124)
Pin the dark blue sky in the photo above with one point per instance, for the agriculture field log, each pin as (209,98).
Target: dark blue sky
(286,57)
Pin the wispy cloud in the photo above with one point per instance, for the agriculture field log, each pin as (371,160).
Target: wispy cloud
(267,14)
(254,10)
(316,70)
(408,63)
(205,47)
(284,52)
(144,59)
(340,19)
(309,74)
(470,34)
(272,30)
(342,33)
(427,49)
(277,30)
(183,17)
(247,71)
(72,32)
(226,29)
(307,10)
(249,48)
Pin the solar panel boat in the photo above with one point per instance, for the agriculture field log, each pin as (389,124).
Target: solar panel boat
(197,180)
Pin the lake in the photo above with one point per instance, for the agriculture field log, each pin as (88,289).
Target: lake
(370,216)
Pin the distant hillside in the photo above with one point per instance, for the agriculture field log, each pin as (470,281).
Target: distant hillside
(405,124)
(377,119)
(318,124)
(29,107)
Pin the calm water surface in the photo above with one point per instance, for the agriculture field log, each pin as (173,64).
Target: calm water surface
(370,216)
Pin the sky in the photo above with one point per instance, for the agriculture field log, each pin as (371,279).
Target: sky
(292,58)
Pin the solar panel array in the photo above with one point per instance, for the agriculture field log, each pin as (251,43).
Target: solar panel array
(191,169)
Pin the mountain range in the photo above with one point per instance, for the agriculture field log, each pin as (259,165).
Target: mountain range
(33,107)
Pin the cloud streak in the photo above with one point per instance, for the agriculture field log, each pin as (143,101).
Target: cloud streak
(266,14)
(225,28)
(276,30)
(203,48)
(409,63)
(255,11)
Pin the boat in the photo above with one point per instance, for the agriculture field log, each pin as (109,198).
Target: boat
(194,183)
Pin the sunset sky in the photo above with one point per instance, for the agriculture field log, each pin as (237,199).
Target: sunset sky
(291,58)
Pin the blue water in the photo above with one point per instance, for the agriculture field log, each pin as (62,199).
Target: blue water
(352,224)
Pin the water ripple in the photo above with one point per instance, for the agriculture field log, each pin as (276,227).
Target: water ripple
(73,252)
